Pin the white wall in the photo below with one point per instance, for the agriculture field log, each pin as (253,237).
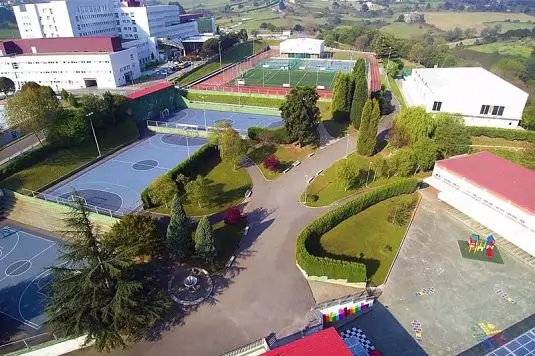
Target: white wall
(68,71)
(310,46)
(146,49)
(512,223)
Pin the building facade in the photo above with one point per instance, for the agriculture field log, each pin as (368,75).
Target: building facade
(482,98)
(491,190)
(69,63)
(301,48)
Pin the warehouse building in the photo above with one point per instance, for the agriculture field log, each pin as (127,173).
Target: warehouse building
(69,63)
(482,98)
(302,48)
(491,190)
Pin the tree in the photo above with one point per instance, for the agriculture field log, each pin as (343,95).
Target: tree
(231,146)
(210,47)
(198,190)
(29,85)
(451,135)
(346,173)
(371,115)
(509,68)
(397,136)
(342,97)
(96,292)
(69,128)
(204,241)
(381,167)
(179,240)
(138,233)
(426,152)
(360,94)
(6,86)
(271,162)
(232,215)
(162,190)
(64,94)
(405,162)
(415,122)
(359,69)
(32,109)
(528,116)
(301,115)
(392,69)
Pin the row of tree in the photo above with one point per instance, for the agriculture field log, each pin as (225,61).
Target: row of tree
(224,42)
(350,93)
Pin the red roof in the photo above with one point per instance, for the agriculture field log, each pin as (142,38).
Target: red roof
(323,343)
(503,178)
(60,45)
(149,90)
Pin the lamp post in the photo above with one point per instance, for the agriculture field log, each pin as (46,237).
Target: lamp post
(93,130)
(219,46)
(204,112)
(347,145)
(307,177)
(368,173)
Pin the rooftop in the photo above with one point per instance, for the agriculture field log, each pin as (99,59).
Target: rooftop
(503,178)
(295,41)
(440,80)
(149,90)
(325,342)
(60,45)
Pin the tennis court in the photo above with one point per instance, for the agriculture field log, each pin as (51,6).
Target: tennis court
(294,72)
(114,185)
(24,257)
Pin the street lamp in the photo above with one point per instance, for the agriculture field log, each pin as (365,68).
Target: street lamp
(219,46)
(368,174)
(347,145)
(93,129)
(204,113)
(307,177)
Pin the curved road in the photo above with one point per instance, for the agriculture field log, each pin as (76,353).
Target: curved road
(263,291)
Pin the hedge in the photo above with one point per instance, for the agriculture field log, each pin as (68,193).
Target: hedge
(309,237)
(276,135)
(509,134)
(189,167)
(26,160)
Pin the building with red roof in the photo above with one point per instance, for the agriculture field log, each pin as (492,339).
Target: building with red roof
(323,343)
(493,191)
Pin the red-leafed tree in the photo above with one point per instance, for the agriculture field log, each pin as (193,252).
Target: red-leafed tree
(271,162)
(233,215)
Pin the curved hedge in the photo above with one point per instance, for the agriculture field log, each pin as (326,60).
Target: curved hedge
(340,269)
(188,167)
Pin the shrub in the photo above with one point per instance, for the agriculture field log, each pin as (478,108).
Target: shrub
(26,160)
(401,213)
(509,134)
(277,135)
(233,215)
(309,237)
(271,162)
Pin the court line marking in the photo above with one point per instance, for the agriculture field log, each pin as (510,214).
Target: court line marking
(30,324)
(99,185)
(13,248)
(28,260)
(16,269)
(32,235)
(148,165)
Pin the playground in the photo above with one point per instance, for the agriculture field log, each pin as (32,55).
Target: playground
(292,72)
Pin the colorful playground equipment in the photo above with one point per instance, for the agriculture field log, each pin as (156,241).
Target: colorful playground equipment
(478,244)
(339,312)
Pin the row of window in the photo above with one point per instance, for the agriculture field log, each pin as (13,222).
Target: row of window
(100,23)
(94,16)
(93,8)
(494,110)
(129,35)
(96,32)
(15,65)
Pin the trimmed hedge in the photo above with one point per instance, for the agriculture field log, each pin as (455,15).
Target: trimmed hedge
(334,268)
(277,135)
(509,134)
(189,167)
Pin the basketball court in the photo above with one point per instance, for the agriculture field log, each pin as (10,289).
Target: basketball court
(24,257)
(114,185)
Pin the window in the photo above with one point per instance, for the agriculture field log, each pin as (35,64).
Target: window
(131,56)
(15,65)
(494,110)
(437,105)
(484,109)
(500,110)
(133,22)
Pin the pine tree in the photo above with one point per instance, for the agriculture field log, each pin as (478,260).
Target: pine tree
(362,139)
(178,232)
(342,97)
(93,292)
(359,69)
(359,99)
(204,241)
(301,115)
(373,126)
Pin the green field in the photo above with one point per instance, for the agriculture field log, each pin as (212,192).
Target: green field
(277,77)
(408,31)
(508,25)
(446,20)
(519,48)
(8,33)
(369,237)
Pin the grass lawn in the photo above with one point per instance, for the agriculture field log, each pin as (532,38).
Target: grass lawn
(287,154)
(518,48)
(392,84)
(408,31)
(447,20)
(369,237)
(498,141)
(231,55)
(8,33)
(65,160)
(334,128)
(506,26)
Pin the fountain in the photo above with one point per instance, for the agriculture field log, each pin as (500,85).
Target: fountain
(190,282)
(190,286)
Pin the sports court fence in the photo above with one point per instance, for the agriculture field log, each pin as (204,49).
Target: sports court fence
(278,91)
(247,109)
(70,201)
(185,129)
(30,343)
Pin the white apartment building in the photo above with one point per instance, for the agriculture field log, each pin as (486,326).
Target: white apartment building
(481,97)
(69,63)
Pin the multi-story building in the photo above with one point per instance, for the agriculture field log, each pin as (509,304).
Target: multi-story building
(69,63)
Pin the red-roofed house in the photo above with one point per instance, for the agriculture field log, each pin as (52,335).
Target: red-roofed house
(493,191)
(323,343)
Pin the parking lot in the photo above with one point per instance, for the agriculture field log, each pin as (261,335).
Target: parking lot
(464,301)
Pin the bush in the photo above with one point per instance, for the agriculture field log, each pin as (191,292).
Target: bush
(271,162)
(233,215)
(309,237)
(401,213)
(278,135)
(70,128)
(188,168)
(26,160)
(509,134)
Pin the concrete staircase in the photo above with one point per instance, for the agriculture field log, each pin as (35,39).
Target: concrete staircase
(42,214)
(510,248)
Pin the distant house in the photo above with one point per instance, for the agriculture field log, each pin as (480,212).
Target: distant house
(414,17)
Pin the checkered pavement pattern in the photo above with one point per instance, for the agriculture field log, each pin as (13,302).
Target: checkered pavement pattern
(522,345)
(357,341)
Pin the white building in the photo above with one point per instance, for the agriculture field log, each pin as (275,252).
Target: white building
(301,48)
(69,63)
(493,191)
(482,98)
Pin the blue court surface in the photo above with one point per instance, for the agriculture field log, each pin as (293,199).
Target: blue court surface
(115,184)
(239,121)
(24,257)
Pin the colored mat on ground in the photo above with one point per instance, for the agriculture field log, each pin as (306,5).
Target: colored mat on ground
(479,255)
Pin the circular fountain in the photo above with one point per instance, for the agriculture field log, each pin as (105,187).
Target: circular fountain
(190,286)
